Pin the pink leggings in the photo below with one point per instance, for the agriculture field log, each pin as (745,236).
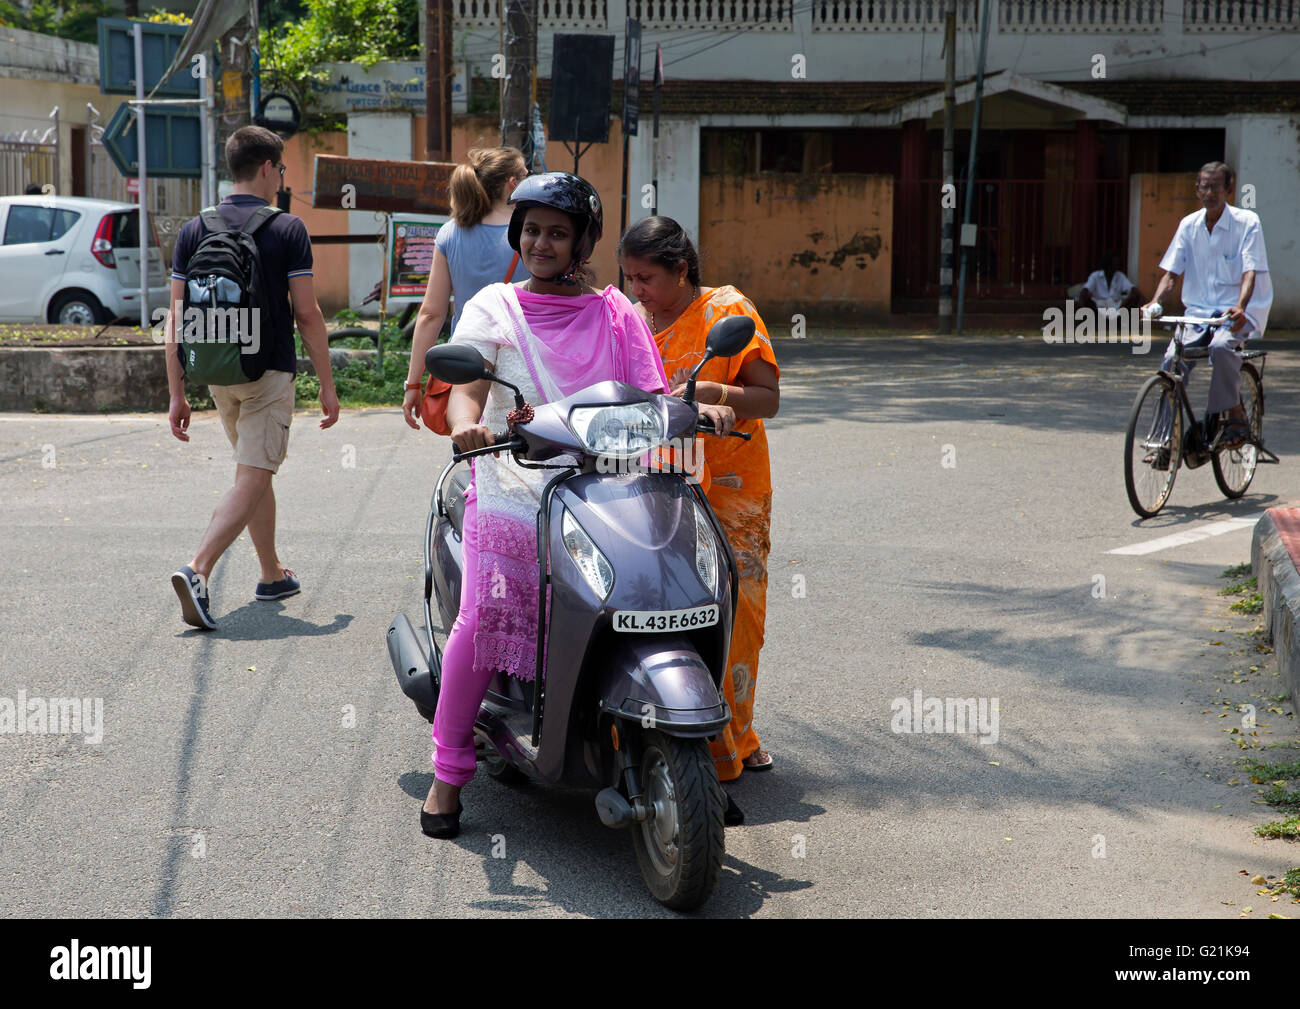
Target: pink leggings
(462,689)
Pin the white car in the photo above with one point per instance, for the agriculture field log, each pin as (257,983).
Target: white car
(74,260)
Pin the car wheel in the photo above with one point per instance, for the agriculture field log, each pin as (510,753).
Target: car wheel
(77,308)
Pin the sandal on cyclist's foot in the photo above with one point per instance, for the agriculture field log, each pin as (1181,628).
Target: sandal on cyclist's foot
(1158,459)
(1233,434)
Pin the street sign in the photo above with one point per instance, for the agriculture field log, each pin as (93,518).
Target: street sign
(279,114)
(418,187)
(171,135)
(159,45)
(133,184)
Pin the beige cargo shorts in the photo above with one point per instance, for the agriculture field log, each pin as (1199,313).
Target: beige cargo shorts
(256,416)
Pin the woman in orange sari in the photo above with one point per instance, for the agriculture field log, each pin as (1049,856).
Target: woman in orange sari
(663,268)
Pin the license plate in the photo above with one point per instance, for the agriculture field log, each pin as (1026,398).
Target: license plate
(640,621)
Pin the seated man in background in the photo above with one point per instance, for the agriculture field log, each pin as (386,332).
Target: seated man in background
(1109,288)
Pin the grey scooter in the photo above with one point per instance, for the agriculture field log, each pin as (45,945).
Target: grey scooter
(642,586)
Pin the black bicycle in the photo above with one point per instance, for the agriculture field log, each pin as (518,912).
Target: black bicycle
(1163,432)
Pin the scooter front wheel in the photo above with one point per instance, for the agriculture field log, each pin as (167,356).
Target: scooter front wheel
(679,846)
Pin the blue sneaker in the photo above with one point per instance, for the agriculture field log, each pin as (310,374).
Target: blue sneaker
(285,587)
(192,590)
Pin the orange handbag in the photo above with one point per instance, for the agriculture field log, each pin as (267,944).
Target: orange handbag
(437,393)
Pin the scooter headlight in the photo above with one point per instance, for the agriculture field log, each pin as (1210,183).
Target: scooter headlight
(706,550)
(621,432)
(590,561)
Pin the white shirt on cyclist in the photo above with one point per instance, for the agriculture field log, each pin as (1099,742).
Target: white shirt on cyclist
(1212,263)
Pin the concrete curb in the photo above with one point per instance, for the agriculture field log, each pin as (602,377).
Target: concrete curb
(1278,582)
(101,379)
(82,379)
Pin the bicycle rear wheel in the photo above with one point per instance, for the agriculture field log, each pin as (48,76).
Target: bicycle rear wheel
(1153,446)
(1235,468)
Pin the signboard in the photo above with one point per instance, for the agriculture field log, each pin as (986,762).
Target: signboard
(418,187)
(631,76)
(410,254)
(279,114)
(387,85)
(159,46)
(173,147)
(133,185)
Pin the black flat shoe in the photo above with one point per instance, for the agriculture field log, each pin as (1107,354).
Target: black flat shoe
(441,825)
(733,817)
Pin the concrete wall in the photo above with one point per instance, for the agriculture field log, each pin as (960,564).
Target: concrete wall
(679,172)
(817,246)
(1264,150)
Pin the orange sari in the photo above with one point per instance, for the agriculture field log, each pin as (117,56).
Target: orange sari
(738,483)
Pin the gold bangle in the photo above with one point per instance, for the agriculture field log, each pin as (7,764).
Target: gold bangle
(723,387)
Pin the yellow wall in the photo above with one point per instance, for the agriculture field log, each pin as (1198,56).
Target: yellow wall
(330,262)
(27,103)
(1163,199)
(819,246)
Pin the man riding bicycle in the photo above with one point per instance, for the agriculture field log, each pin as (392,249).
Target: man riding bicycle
(1219,252)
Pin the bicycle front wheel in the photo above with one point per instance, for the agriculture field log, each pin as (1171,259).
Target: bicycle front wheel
(1235,468)
(1153,446)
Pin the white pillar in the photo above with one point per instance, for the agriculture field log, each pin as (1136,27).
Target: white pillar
(385,135)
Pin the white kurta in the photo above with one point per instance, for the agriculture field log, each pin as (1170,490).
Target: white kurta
(1212,264)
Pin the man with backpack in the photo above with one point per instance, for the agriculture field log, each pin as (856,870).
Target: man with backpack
(236,269)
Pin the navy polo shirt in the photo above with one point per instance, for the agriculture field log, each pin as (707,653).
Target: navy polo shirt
(285,249)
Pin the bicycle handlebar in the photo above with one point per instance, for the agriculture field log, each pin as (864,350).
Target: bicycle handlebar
(1189,320)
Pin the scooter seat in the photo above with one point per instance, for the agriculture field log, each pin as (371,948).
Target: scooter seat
(454,498)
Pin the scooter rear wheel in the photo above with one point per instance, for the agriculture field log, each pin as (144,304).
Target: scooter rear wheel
(679,848)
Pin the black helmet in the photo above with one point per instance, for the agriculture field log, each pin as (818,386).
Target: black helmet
(568,193)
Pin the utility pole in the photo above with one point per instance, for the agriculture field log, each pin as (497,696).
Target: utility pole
(949,211)
(967,238)
(438,67)
(520,55)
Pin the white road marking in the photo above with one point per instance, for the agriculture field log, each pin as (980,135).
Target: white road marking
(1189,535)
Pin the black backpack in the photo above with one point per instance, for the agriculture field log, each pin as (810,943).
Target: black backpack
(225,334)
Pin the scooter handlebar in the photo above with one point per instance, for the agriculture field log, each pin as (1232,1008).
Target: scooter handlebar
(705,426)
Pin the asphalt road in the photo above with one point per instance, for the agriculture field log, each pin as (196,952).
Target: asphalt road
(273,767)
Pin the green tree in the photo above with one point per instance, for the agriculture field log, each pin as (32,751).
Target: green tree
(335,31)
(74,21)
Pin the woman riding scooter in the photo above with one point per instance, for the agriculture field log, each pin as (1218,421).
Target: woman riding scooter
(551,336)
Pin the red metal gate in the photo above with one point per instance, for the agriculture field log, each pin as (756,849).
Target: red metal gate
(1035,237)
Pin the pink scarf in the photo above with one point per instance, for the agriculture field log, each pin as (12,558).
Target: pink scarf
(576,342)
(590,338)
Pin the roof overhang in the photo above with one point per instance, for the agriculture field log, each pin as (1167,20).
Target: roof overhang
(1083,106)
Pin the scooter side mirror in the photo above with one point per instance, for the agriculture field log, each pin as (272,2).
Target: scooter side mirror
(728,337)
(455,364)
